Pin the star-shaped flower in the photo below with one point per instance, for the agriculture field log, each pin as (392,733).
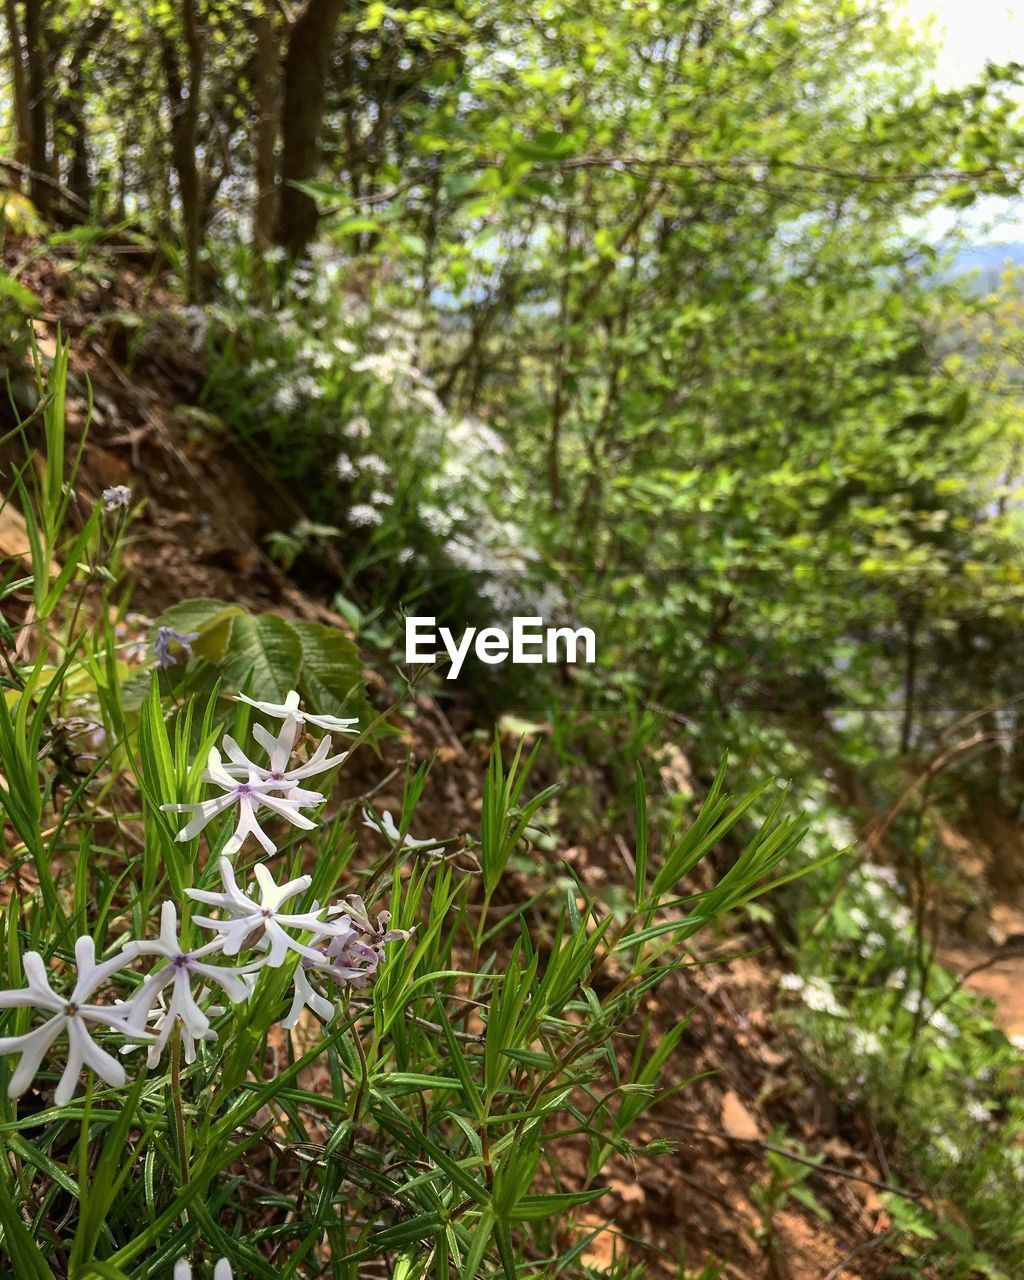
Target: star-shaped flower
(289,712)
(182,969)
(250,795)
(72,1014)
(249,922)
(387,826)
(276,771)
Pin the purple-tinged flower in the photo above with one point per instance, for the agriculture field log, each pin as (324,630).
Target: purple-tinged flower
(165,636)
(353,962)
(117,497)
(378,932)
(249,923)
(250,795)
(276,771)
(72,1015)
(182,969)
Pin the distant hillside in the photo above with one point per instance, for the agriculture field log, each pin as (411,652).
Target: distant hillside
(988,261)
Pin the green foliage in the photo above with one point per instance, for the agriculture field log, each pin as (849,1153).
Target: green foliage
(621,312)
(431,1094)
(259,654)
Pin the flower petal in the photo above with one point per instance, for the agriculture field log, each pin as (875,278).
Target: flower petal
(33,1047)
(104,1064)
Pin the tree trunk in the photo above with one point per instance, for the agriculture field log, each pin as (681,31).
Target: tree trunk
(38,151)
(184,130)
(71,108)
(306,65)
(267,114)
(19,88)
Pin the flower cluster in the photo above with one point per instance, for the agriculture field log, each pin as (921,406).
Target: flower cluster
(265,925)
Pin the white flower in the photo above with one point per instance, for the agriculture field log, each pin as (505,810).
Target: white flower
(387,827)
(222,1271)
(250,922)
(345,468)
(357,429)
(363,514)
(791,982)
(250,795)
(977,1111)
(179,973)
(873,872)
(285,399)
(865,1043)
(276,772)
(948,1148)
(289,711)
(819,996)
(117,497)
(162,1023)
(71,1014)
(306,996)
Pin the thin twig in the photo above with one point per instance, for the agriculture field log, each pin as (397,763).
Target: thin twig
(864,1247)
(831,1169)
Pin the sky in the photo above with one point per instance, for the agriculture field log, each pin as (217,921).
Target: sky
(967,34)
(970,32)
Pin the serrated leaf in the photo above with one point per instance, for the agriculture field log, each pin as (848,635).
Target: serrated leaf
(265,651)
(332,674)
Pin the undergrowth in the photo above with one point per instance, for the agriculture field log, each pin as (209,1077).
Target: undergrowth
(373,1066)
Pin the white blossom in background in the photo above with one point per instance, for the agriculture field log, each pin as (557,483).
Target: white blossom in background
(71,1015)
(285,399)
(357,429)
(363,516)
(816,993)
(866,1044)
